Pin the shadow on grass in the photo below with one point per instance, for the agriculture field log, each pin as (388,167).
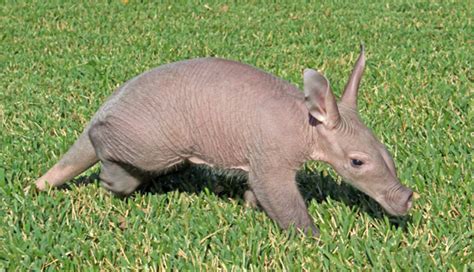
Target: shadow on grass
(313,186)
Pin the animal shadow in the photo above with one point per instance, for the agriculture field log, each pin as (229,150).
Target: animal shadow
(314,186)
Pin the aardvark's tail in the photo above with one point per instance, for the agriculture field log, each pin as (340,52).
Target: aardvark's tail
(77,159)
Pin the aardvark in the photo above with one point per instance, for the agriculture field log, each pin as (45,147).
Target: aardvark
(230,115)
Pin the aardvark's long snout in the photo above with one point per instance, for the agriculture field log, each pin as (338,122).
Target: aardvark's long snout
(398,200)
(407,199)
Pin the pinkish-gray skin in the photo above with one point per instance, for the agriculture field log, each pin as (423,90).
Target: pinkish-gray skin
(230,115)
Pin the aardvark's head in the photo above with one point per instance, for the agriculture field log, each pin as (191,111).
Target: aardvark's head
(348,145)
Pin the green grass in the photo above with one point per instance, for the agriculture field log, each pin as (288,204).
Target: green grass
(59,61)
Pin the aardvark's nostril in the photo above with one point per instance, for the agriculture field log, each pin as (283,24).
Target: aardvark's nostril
(409,201)
(398,200)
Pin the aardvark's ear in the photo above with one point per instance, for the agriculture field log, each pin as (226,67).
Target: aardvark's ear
(349,97)
(319,98)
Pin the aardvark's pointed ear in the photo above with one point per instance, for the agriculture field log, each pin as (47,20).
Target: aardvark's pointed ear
(349,97)
(319,98)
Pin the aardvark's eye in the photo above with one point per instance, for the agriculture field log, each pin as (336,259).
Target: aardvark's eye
(356,163)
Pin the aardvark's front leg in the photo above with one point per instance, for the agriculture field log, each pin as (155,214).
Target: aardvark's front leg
(278,194)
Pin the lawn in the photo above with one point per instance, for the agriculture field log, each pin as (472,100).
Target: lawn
(59,62)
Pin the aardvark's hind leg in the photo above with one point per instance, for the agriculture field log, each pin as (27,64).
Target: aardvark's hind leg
(118,179)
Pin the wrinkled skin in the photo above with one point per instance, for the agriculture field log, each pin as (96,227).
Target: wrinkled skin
(232,116)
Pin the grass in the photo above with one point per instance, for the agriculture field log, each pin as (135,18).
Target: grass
(59,61)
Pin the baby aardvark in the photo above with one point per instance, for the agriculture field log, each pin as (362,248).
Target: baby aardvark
(233,116)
